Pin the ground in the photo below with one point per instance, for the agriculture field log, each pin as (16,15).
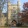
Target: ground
(13,27)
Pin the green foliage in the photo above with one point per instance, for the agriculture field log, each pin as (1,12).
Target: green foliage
(6,24)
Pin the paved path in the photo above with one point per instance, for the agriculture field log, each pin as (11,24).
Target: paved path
(13,27)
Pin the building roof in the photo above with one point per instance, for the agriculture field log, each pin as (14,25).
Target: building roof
(5,14)
(14,4)
(9,3)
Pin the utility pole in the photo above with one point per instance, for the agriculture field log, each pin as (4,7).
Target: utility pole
(6,24)
(7,14)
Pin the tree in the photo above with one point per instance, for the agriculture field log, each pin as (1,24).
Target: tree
(25,13)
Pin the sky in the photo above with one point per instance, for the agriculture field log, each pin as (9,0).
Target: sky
(22,2)
(14,2)
(4,8)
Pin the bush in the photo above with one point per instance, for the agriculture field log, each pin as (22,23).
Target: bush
(6,24)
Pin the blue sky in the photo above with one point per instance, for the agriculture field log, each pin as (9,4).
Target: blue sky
(14,2)
(22,2)
(5,8)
